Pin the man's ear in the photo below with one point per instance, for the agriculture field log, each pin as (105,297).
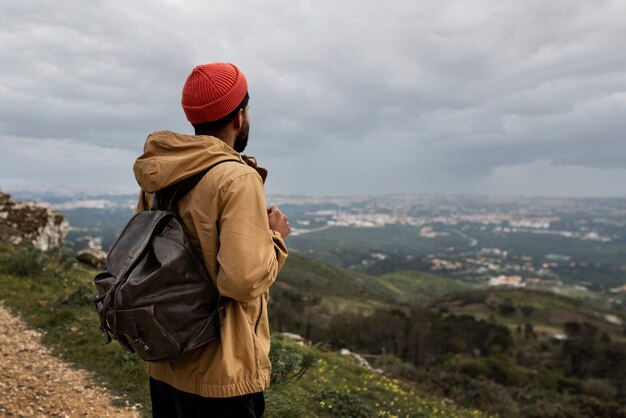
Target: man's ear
(238,120)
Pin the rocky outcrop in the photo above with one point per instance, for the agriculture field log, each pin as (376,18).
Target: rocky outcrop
(27,222)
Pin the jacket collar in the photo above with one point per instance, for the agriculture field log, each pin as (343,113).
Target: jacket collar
(251,161)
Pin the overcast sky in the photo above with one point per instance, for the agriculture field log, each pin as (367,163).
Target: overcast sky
(347,97)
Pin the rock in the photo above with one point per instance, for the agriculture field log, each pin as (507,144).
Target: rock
(298,339)
(613,319)
(93,258)
(359,359)
(28,222)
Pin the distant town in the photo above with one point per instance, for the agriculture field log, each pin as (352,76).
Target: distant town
(558,224)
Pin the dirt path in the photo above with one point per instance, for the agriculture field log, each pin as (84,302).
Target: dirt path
(34,383)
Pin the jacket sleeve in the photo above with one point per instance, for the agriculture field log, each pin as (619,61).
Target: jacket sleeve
(250,254)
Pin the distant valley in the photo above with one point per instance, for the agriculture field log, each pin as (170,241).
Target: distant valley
(572,246)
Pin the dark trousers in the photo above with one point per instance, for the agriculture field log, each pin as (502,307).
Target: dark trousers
(169,402)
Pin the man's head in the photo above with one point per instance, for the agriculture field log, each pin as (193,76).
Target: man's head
(215,99)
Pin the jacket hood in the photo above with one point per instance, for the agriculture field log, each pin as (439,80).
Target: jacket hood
(169,157)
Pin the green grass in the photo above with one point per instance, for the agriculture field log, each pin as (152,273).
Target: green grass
(338,387)
(414,287)
(316,277)
(353,290)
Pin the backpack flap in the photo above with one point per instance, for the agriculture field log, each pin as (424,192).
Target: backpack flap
(133,239)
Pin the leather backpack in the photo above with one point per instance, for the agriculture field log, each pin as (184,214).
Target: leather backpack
(155,296)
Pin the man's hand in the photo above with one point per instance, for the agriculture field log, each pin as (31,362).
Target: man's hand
(278,221)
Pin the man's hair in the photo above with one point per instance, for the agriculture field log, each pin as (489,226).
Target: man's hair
(212,128)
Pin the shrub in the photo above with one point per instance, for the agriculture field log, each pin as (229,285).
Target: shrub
(505,372)
(82,296)
(348,405)
(591,407)
(548,379)
(474,368)
(497,368)
(507,308)
(600,388)
(288,362)
(482,394)
(569,384)
(396,366)
(25,261)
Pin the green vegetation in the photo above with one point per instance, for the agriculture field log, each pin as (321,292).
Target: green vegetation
(413,287)
(512,352)
(347,247)
(339,287)
(307,381)
(546,311)
(26,261)
(318,278)
(340,388)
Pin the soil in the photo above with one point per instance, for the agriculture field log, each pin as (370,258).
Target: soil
(34,383)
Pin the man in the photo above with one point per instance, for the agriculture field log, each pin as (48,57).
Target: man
(241,242)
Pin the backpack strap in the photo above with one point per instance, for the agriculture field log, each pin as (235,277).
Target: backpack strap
(166,199)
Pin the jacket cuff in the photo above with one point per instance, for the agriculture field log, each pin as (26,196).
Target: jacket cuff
(280,248)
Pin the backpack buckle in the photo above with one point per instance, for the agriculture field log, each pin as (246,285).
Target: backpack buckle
(144,344)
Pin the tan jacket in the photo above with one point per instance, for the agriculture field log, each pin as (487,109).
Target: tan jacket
(226,217)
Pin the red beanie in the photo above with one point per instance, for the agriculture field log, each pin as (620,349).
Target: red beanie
(212,91)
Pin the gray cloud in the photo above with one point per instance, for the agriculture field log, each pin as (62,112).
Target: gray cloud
(347,97)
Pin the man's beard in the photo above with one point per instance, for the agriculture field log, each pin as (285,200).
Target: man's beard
(242,137)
